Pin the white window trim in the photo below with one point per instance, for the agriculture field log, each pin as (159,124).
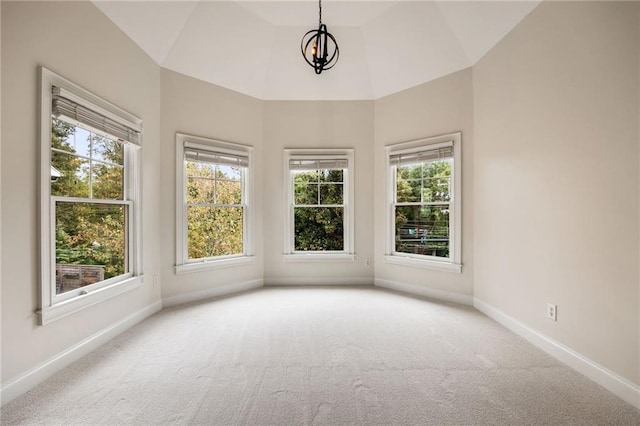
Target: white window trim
(52,306)
(183,264)
(453,264)
(348,254)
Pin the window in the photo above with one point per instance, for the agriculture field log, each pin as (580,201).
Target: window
(319,187)
(89,228)
(423,187)
(213,209)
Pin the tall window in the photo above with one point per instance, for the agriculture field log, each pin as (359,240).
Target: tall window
(320,209)
(424,186)
(89,169)
(212,216)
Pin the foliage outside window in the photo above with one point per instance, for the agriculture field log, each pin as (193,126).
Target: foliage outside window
(88,175)
(424,182)
(213,214)
(318,187)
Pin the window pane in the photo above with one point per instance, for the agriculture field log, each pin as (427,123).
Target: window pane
(422,230)
(413,171)
(108,182)
(408,191)
(62,134)
(436,189)
(80,141)
(437,168)
(229,192)
(200,169)
(331,193)
(306,193)
(319,228)
(107,150)
(214,231)
(230,173)
(305,177)
(437,180)
(69,175)
(91,243)
(200,190)
(332,175)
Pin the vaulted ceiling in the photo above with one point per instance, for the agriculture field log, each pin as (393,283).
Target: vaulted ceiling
(253,47)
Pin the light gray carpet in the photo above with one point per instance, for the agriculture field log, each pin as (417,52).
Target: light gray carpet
(301,356)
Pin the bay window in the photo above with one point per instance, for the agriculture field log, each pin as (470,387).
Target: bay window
(89,191)
(213,208)
(319,188)
(424,206)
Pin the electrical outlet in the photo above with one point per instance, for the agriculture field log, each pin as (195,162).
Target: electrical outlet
(155,281)
(367,262)
(552,311)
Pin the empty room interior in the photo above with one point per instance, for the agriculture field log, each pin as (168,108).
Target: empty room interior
(302,212)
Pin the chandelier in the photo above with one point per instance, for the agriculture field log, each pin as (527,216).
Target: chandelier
(319,47)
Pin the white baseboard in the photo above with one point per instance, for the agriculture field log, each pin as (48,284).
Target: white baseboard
(319,281)
(445,296)
(43,371)
(218,291)
(614,383)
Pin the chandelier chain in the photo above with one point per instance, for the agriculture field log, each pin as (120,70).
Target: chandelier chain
(320,11)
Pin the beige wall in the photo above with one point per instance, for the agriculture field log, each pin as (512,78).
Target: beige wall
(197,108)
(439,107)
(80,43)
(556,178)
(317,125)
(550,123)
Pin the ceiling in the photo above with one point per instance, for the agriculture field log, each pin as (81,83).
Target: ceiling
(253,47)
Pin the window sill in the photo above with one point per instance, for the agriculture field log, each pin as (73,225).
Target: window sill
(214,264)
(423,263)
(319,257)
(71,306)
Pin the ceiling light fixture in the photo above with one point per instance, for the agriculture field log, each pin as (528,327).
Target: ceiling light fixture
(319,56)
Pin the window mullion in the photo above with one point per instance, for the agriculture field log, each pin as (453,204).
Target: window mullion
(90,165)
(421,182)
(215,184)
(318,183)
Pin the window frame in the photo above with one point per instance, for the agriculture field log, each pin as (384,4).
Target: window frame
(346,255)
(52,305)
(453,262)
(183,263)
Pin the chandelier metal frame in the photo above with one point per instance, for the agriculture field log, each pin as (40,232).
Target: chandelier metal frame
(319,56)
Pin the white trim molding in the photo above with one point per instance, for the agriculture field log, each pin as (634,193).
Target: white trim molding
(423,263)
(207,264)
(319,257)
(420,290)
(218,291)
(319,281)
(43,371)
(619,386)
(71,306)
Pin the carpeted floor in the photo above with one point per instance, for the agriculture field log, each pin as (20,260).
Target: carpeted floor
(301,356)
